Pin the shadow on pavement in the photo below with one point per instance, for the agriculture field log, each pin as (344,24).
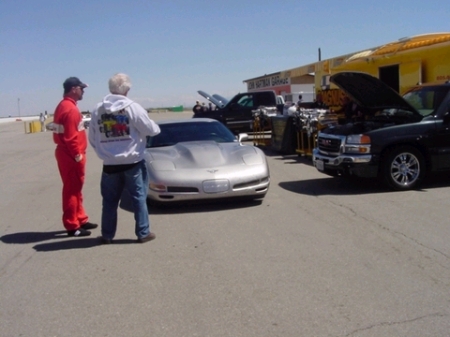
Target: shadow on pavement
(72,243)
(333,186)
(203,206)
(32,237)
(191,206)
(356,186)
(78,243)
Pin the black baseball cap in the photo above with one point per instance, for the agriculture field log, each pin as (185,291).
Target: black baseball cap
(73,82)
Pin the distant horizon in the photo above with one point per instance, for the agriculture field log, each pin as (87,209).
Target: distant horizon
(89,111)
(174,48)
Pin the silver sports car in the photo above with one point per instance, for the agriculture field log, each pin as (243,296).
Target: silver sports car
(197,159)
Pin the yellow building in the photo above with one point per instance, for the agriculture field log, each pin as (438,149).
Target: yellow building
(400,64)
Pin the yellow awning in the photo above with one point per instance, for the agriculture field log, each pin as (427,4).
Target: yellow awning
(303,70)
(402,45)
(359,55)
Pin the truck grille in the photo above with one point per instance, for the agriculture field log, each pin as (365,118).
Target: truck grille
(329,145)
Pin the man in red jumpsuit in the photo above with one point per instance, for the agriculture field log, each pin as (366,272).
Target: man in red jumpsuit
(69,136)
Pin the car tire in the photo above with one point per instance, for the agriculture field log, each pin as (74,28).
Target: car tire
(403,168)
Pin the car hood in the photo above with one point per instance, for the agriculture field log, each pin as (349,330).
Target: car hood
(215,99)
(370,92)
(202,154)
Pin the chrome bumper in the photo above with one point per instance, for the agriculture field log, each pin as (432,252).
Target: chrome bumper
(339,160)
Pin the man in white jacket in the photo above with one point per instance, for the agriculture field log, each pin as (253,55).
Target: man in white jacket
(117,132)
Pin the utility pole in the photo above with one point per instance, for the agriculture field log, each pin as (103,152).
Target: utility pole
(18,105)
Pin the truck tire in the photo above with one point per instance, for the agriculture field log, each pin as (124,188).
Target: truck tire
(403,168)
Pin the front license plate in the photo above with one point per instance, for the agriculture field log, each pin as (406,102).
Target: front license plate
(216,186)
(319,165)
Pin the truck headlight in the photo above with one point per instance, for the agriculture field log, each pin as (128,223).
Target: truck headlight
(357,144)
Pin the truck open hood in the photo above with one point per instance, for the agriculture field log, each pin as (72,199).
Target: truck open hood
(221,99)
(370,92)
(214,99)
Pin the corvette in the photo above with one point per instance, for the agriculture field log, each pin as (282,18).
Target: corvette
(200,159)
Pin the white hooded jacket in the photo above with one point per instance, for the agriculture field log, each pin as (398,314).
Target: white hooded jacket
(118,130)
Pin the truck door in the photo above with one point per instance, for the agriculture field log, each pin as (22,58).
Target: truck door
(442,102)
(443,141)
(239,111)
(436,101)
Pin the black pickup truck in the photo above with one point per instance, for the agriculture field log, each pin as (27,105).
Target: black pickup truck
(401,139)
(236,114)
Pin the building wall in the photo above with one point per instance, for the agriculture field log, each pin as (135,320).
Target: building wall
(281,83)
(421,58)
(305,79)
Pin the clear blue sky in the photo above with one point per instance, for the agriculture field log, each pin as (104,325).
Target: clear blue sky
(171,49)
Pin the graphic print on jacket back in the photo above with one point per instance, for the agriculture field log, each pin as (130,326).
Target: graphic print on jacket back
(114,126)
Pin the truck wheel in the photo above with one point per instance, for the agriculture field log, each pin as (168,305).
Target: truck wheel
(403,168)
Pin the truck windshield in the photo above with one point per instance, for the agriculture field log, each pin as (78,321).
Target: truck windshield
(426,100)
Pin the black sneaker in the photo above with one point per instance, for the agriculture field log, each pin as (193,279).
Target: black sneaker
(149,237)
(89,225)
(79,232)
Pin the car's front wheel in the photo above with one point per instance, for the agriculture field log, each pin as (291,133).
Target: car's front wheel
(403,168)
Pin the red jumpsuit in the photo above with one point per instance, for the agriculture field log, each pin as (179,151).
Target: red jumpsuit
(70,138)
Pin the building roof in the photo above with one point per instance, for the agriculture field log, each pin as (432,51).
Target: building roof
(406,43)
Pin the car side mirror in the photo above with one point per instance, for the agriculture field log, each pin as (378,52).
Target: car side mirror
(242,137)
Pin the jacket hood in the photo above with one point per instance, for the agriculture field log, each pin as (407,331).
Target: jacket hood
(115,103)
(370,92)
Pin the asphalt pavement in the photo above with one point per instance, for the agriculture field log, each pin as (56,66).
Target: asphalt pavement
(317,257)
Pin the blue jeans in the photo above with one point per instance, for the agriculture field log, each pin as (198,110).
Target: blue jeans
(135,182)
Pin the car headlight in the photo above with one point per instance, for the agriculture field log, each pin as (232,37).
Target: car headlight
(157,187)
(358,144)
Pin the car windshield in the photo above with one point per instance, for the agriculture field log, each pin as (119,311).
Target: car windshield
(174,133)
(427,99)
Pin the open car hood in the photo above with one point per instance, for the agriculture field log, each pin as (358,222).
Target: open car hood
(215,99)
(370,92)
(221,99)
